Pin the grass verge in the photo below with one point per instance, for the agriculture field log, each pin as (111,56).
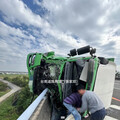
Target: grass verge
(3,89)
(15,105)
(7,111)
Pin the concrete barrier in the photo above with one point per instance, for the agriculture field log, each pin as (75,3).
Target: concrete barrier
(43,111)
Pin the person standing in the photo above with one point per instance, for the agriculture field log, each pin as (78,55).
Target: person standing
(92,103)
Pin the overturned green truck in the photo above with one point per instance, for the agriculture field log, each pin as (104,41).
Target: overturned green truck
(61,75)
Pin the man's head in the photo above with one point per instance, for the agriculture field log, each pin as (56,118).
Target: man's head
(81,89)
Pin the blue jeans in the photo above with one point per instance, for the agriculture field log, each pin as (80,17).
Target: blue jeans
(73,110)
(98,115)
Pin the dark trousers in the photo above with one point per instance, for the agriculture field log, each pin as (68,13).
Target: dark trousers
(98,115)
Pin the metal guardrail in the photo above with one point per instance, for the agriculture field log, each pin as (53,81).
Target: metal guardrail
(29,111)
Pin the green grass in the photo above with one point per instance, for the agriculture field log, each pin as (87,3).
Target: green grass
(21,99)
(2,76)
(8,75)
(20,80)
(4,92)
(3,88)
(15,105)
(7,111)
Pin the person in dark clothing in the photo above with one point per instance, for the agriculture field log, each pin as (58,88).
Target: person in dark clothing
(73,102)
(91,102)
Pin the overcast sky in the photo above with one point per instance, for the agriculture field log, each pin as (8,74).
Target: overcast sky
(57,25)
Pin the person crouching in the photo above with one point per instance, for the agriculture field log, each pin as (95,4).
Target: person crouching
(73,102)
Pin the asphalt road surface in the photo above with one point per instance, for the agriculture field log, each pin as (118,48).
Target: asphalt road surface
(114,111)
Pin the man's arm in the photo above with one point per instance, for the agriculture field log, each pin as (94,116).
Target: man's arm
(84,105)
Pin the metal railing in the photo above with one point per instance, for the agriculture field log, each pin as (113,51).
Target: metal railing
(29,111)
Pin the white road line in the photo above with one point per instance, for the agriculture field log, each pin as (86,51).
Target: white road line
(116,89)
(109,118)
(115,107)
(117,81)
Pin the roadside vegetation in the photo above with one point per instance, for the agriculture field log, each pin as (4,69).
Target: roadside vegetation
(7,110)
(3,88)
(12,108)
(20,80)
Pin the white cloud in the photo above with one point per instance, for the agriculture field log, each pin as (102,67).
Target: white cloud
(6,30)
(94,22)
(13,48)
(68,24)
(17,12)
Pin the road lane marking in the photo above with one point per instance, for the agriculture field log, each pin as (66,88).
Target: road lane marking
(115,107)
(116,89)
(116,99)
(109,118)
